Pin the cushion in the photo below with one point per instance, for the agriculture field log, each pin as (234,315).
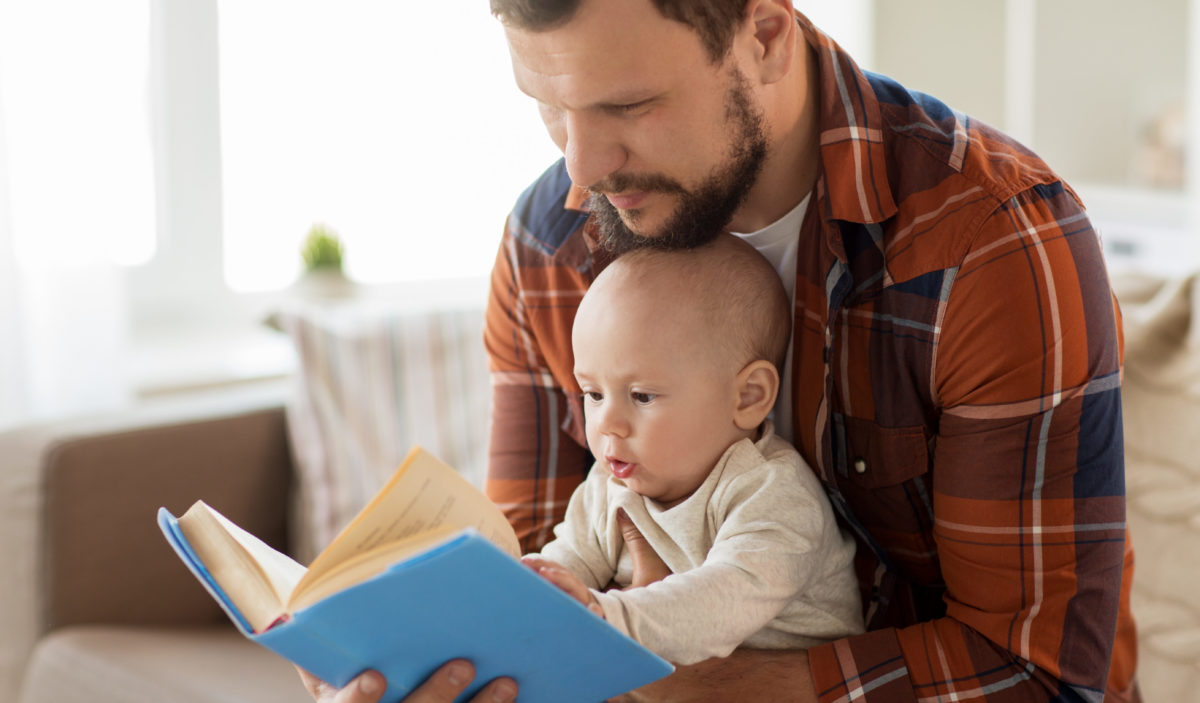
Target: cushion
(372,382)
(131,665)
(1161,396)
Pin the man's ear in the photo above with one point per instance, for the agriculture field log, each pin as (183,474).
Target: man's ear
(774,26)
(757,386)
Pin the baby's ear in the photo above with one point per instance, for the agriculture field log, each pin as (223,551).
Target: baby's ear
(757,385)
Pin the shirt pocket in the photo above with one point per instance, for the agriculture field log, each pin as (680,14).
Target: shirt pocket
(878,457)
(884,480)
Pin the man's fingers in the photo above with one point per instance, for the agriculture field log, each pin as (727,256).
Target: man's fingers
(450,680)
(315,687)
(442,687)
(498,691)
(629,531)
(445,684)
(368,687)
(648,567)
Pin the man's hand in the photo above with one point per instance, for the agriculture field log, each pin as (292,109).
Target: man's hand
(445,684)
(563,578)
(648,567)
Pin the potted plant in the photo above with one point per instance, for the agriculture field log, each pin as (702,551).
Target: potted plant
(322,253)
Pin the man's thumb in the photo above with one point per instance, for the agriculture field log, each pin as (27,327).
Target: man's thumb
(648,567)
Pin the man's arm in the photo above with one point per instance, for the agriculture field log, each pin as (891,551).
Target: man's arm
(745,675)
(1027,491)
(533,463)
(442,687)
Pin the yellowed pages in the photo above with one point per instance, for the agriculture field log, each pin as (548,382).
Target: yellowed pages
(363,566)
(423,495)
(257,578)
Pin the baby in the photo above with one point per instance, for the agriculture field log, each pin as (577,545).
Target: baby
(678,356)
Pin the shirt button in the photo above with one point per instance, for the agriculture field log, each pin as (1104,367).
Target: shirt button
(860,466)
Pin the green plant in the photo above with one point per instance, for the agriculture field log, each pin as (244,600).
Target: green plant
(322,249)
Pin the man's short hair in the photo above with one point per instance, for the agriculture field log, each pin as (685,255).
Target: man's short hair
(715,21)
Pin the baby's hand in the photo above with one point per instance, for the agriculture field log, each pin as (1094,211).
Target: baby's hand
(564,579)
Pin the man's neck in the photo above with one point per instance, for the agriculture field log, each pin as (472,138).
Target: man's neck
(790,170)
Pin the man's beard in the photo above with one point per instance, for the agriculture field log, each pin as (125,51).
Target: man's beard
(704,212)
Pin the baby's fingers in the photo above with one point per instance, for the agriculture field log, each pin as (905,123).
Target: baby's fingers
(565,580)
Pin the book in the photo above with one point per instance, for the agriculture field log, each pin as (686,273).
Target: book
(427,572)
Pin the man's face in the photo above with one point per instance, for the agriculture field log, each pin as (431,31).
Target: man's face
(667,141)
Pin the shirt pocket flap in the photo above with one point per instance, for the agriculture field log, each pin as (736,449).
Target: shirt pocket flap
(881,456)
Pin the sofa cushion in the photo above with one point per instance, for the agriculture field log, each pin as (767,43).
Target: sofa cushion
(77,500)
(135,665)
(1161,395)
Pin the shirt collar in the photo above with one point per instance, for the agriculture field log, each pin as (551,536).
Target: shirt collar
(853,165)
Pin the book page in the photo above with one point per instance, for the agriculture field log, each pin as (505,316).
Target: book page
(256,577)
(424,494)
(363,566)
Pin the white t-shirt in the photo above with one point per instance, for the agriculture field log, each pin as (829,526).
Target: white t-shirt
(779,242)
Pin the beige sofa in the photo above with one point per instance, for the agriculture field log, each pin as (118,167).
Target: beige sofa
(96,608)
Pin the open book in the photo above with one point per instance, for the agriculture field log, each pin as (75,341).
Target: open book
(428,571)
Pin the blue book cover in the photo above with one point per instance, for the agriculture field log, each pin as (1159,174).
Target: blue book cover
(463,597)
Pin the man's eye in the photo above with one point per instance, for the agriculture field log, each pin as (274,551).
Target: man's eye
(633,108)
(643,398)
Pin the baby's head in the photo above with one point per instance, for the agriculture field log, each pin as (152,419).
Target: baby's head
(678,356)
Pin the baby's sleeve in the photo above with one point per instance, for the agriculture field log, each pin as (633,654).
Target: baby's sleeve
(772,542)
(579,543)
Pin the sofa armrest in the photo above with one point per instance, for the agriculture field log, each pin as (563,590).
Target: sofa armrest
(78,538)
(104,559)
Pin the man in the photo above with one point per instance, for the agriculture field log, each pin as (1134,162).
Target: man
(955,366)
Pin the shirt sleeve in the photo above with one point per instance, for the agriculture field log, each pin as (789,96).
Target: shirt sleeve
(533,463)
(1028,488)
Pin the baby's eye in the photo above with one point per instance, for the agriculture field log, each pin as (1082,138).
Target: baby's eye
(643,398)
(593,396)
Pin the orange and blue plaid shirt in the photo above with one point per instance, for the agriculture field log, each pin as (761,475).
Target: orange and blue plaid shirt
(957,356)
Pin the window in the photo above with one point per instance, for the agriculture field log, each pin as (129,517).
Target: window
(74,117)
(397,124)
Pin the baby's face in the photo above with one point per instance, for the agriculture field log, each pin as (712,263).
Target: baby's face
(658,403)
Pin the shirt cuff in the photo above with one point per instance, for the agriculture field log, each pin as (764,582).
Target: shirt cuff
(614,611)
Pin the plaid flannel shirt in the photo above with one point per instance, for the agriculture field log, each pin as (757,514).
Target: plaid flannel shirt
(957,356)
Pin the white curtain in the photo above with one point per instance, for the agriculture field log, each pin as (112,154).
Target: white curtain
(76,199)
(13,398)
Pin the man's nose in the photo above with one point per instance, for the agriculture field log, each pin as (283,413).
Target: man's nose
(591,148)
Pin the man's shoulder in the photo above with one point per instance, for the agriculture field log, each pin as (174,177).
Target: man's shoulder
(951,175)
(930,142)
(541,217)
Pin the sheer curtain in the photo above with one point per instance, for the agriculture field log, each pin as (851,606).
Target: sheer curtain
(12,387)
(76,198)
